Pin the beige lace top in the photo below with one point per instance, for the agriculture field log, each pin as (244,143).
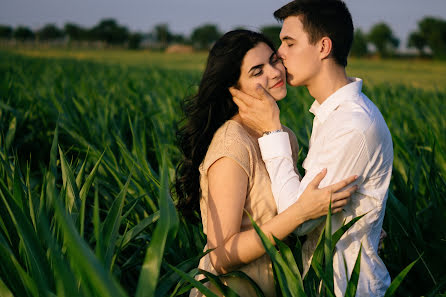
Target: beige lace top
(233,141)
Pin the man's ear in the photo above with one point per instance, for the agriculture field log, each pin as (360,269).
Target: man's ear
(325,47)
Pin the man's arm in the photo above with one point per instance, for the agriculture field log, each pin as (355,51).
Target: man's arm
(343,153)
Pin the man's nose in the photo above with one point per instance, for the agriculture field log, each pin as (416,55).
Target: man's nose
(280,52)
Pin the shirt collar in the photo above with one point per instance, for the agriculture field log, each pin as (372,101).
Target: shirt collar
(322,111)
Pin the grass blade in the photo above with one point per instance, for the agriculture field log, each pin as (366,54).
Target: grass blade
(399,279)
(354,278)
(288,282)
(200,287)
(215,280)
(166,228)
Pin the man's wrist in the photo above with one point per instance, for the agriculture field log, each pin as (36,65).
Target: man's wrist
(273,127)
(265,133)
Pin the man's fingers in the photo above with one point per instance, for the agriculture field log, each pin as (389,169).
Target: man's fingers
(262,93)
(318,178)
(339,205)
(240,103)
(344,194)
(343,183)
(241,96)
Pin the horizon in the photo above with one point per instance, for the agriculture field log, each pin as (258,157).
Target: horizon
(142,16)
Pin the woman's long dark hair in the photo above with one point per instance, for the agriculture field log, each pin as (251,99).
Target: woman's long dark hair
(205,112)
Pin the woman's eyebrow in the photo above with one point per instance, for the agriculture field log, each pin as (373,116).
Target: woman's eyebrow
(272,56)
(260,66)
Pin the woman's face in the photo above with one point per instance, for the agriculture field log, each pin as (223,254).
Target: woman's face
(262,66)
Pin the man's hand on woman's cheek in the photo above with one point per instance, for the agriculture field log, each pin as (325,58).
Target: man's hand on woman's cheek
(260,113)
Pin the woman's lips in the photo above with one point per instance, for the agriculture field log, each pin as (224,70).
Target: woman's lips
(278,85)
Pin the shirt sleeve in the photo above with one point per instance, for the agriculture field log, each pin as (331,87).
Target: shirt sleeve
(343,153)
(277,155)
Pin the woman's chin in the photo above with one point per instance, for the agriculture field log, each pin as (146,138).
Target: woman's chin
(280,96)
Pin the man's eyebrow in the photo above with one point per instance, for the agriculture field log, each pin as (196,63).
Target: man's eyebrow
(288,38)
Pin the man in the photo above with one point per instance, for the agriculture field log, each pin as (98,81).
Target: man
(349,137)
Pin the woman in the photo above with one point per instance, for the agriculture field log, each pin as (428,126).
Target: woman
(223,171)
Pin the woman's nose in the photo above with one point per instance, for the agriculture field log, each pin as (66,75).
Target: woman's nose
(274,71)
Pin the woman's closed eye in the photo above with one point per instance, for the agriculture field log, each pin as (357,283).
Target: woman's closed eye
(258,72)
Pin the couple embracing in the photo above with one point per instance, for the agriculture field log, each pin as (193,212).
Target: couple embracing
(238,158)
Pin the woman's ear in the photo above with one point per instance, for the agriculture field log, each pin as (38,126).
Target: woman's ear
(325,47)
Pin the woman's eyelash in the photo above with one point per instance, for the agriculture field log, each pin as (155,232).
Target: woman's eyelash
(258,73)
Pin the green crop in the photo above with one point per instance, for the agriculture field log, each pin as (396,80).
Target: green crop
(88,154)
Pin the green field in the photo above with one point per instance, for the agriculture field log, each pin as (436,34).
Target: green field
(424,74)
(87,153)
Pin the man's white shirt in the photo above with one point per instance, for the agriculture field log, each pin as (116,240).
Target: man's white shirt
(349,137)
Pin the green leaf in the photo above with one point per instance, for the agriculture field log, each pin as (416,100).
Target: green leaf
(200,287)
(328,252)
(325,280)
(289,258)
(289,285)
(354,278)
(338,234)
(169,279)
(35,255)
(79,252)
(242,275)
(4,291)
(136,230)
(399,279)
(18,194)
(11,133)
(166,228)
(17,275)
(112,223)
(80,174)
(215,280)
(69,182)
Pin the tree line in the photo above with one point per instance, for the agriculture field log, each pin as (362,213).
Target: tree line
(428,40)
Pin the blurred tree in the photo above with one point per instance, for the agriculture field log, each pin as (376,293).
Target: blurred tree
(382,37)
(75,32)
(5,32)
(204,36)
(49,32)
(359,46)
(179,38)
(272,32)
(433,30)
(416,40)
(23,33)
(110,31)
(163,35)
(135,40)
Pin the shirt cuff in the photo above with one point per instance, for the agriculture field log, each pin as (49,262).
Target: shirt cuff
(275,145)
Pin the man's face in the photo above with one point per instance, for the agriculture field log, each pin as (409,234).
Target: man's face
(300,58)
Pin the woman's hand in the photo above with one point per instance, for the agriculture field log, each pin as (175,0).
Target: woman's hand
(316,201)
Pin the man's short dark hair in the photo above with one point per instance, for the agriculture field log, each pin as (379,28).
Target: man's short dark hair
(321,18)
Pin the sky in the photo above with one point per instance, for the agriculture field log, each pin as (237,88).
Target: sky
(184,15)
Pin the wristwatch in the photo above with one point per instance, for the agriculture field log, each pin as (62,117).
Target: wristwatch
(265,133)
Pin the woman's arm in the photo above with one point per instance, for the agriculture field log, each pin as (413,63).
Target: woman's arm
(227,194)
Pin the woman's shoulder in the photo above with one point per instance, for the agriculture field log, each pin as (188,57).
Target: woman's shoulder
(230,140)
(231,132)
